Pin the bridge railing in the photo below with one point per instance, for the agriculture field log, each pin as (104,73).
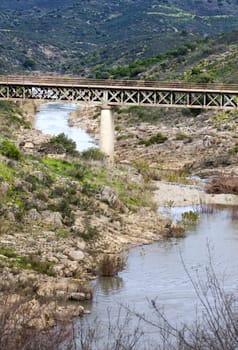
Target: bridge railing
(63,81)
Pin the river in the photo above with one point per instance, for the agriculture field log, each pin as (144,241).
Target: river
(52,120)
(156,271)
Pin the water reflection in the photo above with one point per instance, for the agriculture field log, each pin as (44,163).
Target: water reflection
(156,271)
(109,284)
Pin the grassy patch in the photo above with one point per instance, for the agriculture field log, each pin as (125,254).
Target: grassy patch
(73,170)
(8,252)
(32,262)
(190,217)
(6,172)
(147,172)
(183,137)
(175,176)
(155,139)
(9,149)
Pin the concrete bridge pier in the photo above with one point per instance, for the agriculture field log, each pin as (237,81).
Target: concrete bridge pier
(107,131)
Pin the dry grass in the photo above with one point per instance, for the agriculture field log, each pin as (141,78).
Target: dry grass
(223,184)
(111,264)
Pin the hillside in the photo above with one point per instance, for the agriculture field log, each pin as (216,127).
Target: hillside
(67,37)
(212,59)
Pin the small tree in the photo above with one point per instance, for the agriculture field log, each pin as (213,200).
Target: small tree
(63,140)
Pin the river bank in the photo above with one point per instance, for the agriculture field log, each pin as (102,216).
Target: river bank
(179,195)
(202,143)
(62,214)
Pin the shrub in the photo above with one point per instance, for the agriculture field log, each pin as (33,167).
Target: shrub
(190,217)
(223,184)
(63,140)
(181,137)
(89,233)
(9,149)
(78,171)
(93,153)
(111,264)
(155,139)
(64,207)
(29,64)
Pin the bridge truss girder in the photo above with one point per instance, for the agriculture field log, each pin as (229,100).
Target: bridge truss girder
(123,96)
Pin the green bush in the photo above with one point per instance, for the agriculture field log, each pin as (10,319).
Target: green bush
(78,171)
(93,153)
(9,149)
(29,64)
(155,139)
(63,140)
(89,233)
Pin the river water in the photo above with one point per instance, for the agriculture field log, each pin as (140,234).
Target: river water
(156,271)
(52,120)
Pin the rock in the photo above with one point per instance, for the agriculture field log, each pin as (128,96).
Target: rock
(76,255)
(58,270)
(107,195)
(81,245)
(68,312)
(71,269)
(18,184)
(77,296)
(52,218)
(4,187)
(50,148)
(29,145)
(11,217)
(32,216)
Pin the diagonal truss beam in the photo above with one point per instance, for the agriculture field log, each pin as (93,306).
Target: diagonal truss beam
(123,95)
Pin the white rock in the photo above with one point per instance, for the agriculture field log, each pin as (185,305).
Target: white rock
(76,255)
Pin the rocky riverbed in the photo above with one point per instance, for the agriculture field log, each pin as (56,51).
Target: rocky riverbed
(183,140)
(61,214)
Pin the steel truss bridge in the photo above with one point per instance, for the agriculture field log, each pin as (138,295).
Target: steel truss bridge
(119,92)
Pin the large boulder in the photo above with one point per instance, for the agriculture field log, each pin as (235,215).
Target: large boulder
(75,255)
(52,218)
(109,196)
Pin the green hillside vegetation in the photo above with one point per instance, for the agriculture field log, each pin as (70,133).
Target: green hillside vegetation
(71,37)
(207,60)
(64,185)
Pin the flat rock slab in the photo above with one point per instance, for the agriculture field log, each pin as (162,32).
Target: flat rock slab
(170,194)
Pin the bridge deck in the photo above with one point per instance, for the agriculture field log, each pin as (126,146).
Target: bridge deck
(62,81)
(120,92)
